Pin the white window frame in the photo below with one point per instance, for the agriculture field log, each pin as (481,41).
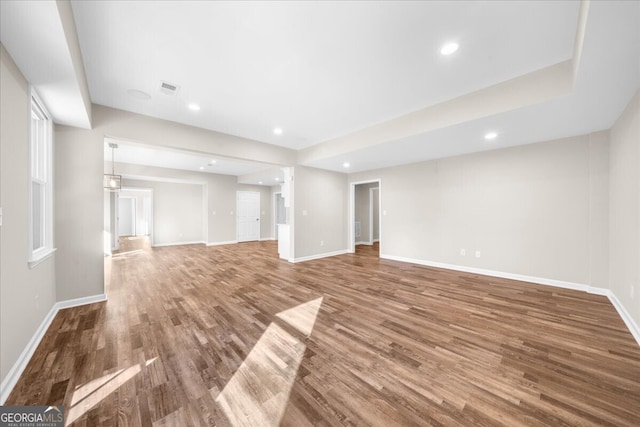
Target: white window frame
(41,172)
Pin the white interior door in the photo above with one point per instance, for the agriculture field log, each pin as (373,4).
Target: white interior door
(126,216)
(248,218)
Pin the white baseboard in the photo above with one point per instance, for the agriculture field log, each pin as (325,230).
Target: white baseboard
(501,274)
(16,370)
(267,238)
(76,302)
(318,256)
(228,242)
(159,245)
(626,317)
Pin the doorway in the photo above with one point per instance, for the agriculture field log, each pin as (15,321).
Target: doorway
(364,215)
(126,216)
(248,218)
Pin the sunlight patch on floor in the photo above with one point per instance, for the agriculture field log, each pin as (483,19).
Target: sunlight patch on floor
(258,393)
(90,394)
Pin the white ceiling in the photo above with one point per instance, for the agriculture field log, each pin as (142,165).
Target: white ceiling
(328,73)
(318,70)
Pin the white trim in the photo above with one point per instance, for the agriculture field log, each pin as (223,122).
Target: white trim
(626,317)
(364,243)
(228,242)
(18,368)
(45,255)
(512,276)
(262,239)
(195,242)
(318,256)
(77,302)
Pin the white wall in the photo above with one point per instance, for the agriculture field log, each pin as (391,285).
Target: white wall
(539,210)
(26,295)
(624,255)
(320,212)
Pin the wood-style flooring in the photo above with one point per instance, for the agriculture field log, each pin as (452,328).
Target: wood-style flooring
(231,335)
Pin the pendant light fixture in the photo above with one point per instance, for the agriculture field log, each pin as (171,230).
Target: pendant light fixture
(112,182)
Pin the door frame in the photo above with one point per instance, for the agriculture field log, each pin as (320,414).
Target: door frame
(352,212)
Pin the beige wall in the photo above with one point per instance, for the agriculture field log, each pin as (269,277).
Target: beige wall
(26,295)
(219,222)
(79,213)
(177,211)
(539,210)
(320,212)
(624,255)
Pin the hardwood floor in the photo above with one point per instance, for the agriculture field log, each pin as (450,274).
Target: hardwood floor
(231,335)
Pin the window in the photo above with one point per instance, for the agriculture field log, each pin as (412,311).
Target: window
(41,191)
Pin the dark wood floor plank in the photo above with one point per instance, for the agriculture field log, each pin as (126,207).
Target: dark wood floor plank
(190,330)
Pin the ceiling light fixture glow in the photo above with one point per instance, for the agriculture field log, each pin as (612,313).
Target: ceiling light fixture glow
(193,107)
(201,168)
(490,135)
(346,164)
(449,48)
(277,131)
(277,179)
(260,182)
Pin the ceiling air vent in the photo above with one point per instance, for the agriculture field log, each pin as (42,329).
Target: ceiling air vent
(169,88)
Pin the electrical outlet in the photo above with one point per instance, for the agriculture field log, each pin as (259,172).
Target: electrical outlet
(477,254)
(384,213)
(463,252)
(304,212)
(633,289)
(213,213)
(321,242)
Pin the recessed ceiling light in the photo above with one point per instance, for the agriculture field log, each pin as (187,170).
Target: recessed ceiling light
(260,182)
(213,161)
(193,107)
(138,94)
(490,135)
(277,131)
(346,164)
(449,48)
(277,179)
(201,168)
